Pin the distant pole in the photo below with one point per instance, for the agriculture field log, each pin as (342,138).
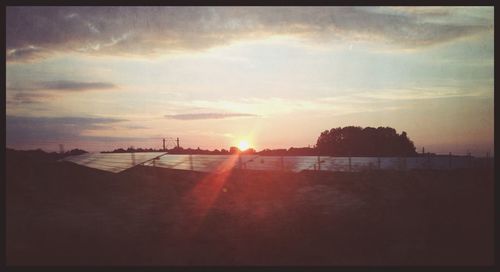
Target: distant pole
(177,142)
(423,150)
(163,144)
(319,163)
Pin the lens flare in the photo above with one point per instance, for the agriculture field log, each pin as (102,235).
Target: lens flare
(243,145)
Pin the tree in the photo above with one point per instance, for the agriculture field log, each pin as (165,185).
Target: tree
(357,141)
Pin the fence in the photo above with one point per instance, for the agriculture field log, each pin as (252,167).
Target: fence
(208,163)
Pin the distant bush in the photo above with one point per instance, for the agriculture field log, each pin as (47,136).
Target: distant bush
(75,151)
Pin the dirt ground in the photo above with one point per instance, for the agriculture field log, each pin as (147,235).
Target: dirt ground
(58,213)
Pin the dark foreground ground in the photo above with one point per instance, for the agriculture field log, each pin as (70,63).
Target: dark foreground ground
(64,214)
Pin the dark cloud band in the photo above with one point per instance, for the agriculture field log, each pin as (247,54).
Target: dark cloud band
(22,128)
(38,31)
(74,85)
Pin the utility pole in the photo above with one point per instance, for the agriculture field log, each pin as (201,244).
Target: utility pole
(423,150)
(177,142)
(163,144)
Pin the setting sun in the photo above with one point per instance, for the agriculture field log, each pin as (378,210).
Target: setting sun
(243,145)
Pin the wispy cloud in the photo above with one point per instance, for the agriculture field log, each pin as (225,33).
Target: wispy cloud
(22,98)
(25,52)
(23,128)
(422,93)
(60,85)
(351,102)
(37,31)
(210,115)
(74,85)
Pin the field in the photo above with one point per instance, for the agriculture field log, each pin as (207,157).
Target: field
(59,213)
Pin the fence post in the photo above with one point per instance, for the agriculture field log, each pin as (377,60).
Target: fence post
(469,157)
(487,159)
(429,161)
(449,160)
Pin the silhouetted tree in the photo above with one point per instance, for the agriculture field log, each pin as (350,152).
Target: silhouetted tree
(75,151)
(357,141)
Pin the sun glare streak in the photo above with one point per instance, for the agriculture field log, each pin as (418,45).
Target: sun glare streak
(206,192)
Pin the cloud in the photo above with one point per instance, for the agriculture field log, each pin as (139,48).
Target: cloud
(74,85)
(211,115)
(348,102)
(423,93)
(26,52)
(21,98)
(41,31)
(60,85)
(29,94)
(33,129)
(136,127)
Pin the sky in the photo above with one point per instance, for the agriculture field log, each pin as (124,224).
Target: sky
(100,78)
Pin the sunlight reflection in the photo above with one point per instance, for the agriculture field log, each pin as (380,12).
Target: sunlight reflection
(206,192)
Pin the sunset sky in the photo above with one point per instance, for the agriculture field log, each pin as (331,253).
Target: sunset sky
(100,78)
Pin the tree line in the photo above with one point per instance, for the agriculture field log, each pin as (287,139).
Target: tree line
(340,141)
